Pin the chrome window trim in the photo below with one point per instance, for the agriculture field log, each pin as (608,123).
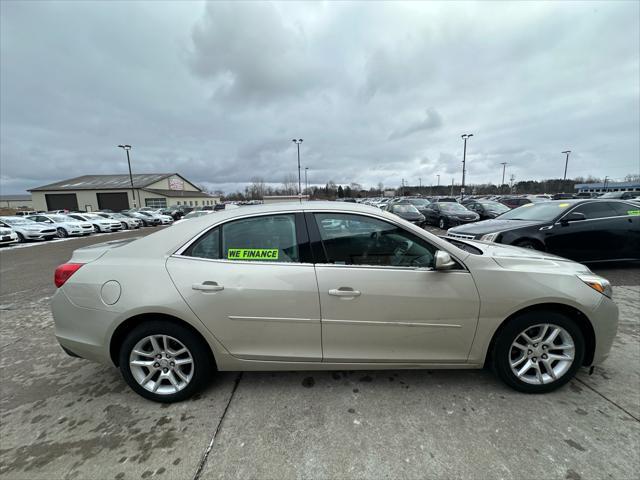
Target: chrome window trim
(178,253)
(186,245)
(596,201)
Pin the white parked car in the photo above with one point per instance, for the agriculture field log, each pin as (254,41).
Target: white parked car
(279,287)
(28,229)
(65,226)
(126,222)
(100,224)
(7,236)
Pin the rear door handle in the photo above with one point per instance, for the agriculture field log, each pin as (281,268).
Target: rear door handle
(207,286)
(344,292)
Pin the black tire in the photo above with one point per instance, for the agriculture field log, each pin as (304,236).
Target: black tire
(501,354)
(21,238)
(203,363)
(62,233)
(442,223)
(124,225)
(96,229)
(531,244)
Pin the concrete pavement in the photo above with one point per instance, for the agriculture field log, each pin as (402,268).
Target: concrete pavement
(65,418)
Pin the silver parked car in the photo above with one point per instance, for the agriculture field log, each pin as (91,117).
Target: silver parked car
(126,222)
(100,224)
(28,229)
(7,236)
(65,226)
(324,286)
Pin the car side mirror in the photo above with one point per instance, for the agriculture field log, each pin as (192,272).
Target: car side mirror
(573,217)
(443,260)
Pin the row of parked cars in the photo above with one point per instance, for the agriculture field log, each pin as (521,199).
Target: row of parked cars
(585,230)
(37,226)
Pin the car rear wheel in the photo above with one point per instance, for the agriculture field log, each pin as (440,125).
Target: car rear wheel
(62,233)
(538,352)
(164,362)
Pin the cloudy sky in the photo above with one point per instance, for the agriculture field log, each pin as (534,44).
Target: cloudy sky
(379,92)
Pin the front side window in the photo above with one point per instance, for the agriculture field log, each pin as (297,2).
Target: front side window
(358,240)
(595,210)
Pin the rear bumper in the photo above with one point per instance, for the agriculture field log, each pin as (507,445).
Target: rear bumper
(82,331)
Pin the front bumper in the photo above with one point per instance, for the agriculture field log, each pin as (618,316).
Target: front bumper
(604,320)
(40,235)
(458,221)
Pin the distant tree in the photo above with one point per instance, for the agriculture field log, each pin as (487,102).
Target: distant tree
(340,192)
(290,184)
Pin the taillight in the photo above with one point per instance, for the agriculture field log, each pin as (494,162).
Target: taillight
(64,272)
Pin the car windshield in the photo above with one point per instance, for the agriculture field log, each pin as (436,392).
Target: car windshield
(404,208)
(452,207)
(612,195)
(495,206)
(17,221)
(93,216)
(543,212)
(421,202)
(59,218)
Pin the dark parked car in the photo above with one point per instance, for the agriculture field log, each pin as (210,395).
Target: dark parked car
(486,208)
(447,214)
(582,230)
(514,202)
(407,212)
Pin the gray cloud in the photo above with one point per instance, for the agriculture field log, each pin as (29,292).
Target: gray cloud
(216,91)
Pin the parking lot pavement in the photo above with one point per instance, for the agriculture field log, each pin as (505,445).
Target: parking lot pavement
(65,418)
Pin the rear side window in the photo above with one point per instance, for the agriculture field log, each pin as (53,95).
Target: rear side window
(270,238)
(624,209)
(207,246)
(596,210)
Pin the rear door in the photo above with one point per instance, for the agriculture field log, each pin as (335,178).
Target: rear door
(251,283)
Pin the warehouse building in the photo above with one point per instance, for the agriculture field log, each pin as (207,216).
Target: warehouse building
(114,192)
(607,187)
(15,201)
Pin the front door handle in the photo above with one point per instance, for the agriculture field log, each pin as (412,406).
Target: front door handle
(344,292)
(207,286)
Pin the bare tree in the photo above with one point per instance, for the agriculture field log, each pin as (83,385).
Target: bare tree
(290,184)
(257,189)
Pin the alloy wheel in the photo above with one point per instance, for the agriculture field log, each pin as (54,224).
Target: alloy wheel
(542,354)
(62,233)
(161,364)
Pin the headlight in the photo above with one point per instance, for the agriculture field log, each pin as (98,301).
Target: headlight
(490,237)
(599,284)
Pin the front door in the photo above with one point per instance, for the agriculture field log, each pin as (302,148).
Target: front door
(600,236)
(381,299)
(247,283)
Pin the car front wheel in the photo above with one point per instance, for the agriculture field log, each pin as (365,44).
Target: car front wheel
(62,233)
(442,224)
(164,361)
(96,229)
(538,352)
(124,226)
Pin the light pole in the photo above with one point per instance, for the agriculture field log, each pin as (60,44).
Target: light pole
(306,182)
(464,162)
(566,163)
(298,142)
(504,167)
(419,185)
(606,181)
(126,148)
